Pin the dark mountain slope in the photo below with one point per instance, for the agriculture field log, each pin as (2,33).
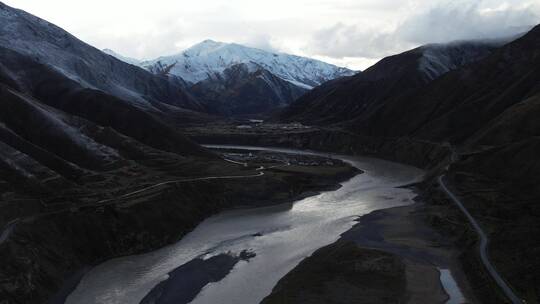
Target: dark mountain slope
(68,111)
(48,159)
(358,96)
(54,89)
(45,127)
(245,88)
(515,124)
(462,102)
(46,43)
(19,172)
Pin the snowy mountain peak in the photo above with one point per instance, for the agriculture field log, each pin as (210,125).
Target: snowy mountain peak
(203,48)
(209,42)
(209,57)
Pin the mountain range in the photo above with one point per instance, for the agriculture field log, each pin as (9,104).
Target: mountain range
(269,80)
(209,57)
(75,120)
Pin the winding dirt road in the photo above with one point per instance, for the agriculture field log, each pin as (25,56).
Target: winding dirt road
(483,247)
(9,227)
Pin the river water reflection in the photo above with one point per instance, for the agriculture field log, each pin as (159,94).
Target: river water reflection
(280,236)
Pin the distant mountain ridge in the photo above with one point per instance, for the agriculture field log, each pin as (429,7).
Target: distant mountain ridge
(231,79)
(200,61)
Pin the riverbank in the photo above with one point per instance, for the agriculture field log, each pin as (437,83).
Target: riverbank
(397,245)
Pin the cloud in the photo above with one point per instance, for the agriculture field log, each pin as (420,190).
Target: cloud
(446,22)
(340,41)
(462,22)
(350,32)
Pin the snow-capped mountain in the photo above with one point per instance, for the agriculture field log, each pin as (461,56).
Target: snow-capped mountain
(204,59)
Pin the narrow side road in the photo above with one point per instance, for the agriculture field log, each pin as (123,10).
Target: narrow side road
(178,181)
(484,241)
(8,229)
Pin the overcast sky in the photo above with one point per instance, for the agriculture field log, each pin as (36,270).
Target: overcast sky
(352,33)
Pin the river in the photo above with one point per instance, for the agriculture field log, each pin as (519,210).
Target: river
(279,236)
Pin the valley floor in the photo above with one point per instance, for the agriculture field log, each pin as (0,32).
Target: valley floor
(408,249)
(497,204)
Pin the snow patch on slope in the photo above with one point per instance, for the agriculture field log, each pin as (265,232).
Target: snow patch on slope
(438,59)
